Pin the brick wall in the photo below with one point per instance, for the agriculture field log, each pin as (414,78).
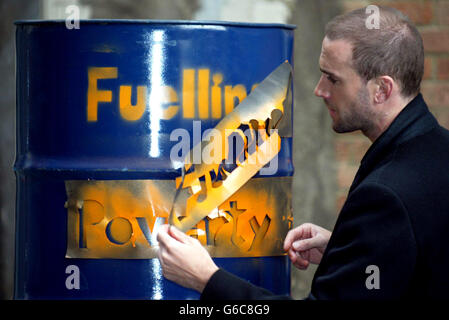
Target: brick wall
(432,20)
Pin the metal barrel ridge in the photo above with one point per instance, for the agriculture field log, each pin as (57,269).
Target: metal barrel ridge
(105,117)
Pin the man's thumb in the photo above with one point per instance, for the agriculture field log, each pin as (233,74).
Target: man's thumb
(179,235)
(307,244)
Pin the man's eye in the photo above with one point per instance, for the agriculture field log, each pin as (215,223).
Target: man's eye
(332,80)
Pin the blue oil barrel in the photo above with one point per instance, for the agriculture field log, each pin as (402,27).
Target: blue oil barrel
(96,105)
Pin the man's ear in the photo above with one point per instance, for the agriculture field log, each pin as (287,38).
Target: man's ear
(384,88)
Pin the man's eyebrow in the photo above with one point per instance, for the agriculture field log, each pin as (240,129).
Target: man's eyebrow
(328,73)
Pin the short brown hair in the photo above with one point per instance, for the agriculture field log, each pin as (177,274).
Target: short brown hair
(394,49)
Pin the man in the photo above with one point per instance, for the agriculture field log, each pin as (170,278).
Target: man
(389,241)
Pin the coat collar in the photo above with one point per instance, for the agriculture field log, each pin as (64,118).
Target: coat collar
(415,119)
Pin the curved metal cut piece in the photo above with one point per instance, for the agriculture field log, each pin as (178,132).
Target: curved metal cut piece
(261,111)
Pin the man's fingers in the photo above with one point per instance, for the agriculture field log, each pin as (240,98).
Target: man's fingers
(301,264)
(162,229)
(292,235)
(169,235)
(159,255)
(307,244)
(179,235)
(165,239)
(292,255)
(297,260)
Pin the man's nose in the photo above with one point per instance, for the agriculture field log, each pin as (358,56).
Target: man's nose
(320,90)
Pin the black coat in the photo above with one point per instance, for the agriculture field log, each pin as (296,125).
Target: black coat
(396,217)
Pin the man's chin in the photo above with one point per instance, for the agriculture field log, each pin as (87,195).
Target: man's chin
(337,129)
(342,129)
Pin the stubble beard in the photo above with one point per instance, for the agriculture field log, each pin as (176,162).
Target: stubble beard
(357,116)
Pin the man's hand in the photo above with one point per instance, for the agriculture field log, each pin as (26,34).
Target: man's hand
(184,260)
(306,244)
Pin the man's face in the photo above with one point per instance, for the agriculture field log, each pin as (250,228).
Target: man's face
(344,92)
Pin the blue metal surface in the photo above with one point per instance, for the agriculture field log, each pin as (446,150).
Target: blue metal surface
(55,142)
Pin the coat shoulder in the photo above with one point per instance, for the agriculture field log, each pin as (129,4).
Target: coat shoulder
(421,161)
